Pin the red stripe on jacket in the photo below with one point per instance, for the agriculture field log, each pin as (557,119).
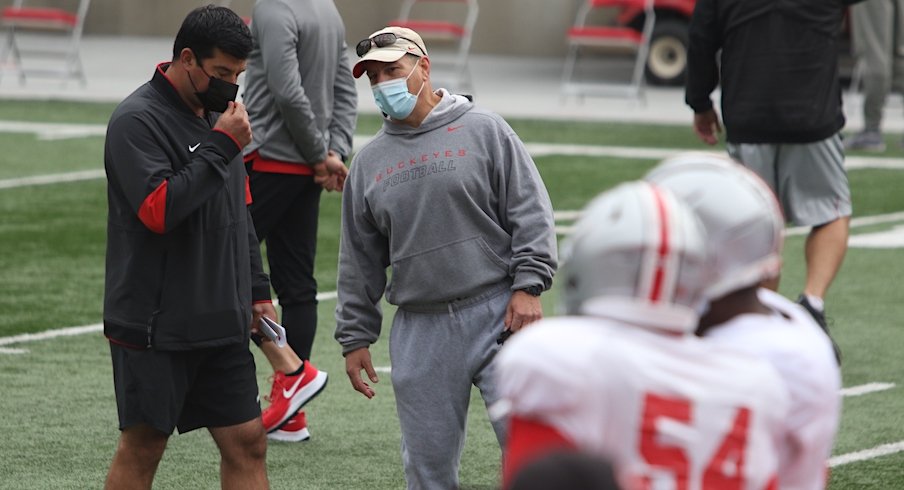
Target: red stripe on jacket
(153,210)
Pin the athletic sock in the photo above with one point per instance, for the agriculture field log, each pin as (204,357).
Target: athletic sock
(816,302)
(297,371)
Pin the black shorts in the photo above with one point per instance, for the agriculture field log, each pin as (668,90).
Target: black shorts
(214,387)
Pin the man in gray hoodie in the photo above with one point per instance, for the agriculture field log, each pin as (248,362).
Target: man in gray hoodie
(447,195)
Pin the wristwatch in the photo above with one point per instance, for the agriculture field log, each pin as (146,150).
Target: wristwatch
(533,290)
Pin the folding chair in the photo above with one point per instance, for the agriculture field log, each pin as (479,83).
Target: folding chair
(619,36)
(60,31)
(444,25)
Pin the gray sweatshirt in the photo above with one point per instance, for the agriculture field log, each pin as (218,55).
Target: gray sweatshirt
(300,93)
(455,206)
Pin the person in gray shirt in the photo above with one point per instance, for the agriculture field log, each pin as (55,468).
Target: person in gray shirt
(302,104)
(448,197)
(877,34)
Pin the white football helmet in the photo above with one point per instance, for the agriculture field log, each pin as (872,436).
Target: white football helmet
(742,217)
(637,255)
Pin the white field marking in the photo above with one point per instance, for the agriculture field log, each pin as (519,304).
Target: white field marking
(877,219)
(52,178)
(566,215)
(866,454)
(548,149)
(893,238)
(873,162)
(383,369)
(97,327)
(860,390)
(45,335)
(52,131)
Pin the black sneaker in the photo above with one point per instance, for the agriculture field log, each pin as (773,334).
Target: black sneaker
(820,317)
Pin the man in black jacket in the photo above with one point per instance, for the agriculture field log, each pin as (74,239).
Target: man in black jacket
(184,279)
(781,101)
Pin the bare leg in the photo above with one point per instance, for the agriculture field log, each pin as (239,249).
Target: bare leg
(824,251)
(243,455)
(137,457)
(282,359)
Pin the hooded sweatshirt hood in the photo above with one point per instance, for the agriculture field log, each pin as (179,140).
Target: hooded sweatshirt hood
(450,108)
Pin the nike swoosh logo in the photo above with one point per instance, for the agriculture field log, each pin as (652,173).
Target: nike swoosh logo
(288,393)
(453,128)
(193,148)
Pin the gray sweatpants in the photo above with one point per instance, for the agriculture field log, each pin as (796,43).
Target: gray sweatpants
(437,354)
(877,31)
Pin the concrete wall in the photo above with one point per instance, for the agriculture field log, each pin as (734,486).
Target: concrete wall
(511,27)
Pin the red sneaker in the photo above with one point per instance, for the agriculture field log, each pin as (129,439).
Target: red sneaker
(290,393)
(294,430)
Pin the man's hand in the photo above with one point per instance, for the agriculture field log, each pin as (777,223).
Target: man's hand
(522,310)
(331,173)
(355,361)
(258,310)
(707,125)
(235,122)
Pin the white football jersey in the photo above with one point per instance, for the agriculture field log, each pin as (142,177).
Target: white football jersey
(672,412)
(802,354)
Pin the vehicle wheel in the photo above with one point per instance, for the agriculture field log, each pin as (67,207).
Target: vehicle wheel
(667,59)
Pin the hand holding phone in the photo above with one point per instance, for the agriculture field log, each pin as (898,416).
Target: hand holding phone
(273,331)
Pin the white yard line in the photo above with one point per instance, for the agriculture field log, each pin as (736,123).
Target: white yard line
(861,390)
(867,454)
(50,334)
(97,327)
(53,130)
(876,219)
(52,178)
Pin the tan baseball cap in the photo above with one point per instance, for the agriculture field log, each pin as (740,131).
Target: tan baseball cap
(407,42)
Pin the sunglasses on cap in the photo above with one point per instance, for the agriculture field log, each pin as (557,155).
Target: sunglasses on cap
(381,41)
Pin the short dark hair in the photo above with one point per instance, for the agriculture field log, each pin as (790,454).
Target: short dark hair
(209,27)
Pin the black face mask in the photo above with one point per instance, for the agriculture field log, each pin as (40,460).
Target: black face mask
(218,95)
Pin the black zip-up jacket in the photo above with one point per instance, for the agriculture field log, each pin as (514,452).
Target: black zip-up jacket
(183,262)
(779,67)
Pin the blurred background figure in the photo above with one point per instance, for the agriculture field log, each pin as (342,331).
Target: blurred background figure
(876,29)
(746,239)
(777,64)
(624,377)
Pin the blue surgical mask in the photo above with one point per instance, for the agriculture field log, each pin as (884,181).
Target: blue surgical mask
(393,97)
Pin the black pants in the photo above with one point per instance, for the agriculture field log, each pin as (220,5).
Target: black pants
(285,209)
